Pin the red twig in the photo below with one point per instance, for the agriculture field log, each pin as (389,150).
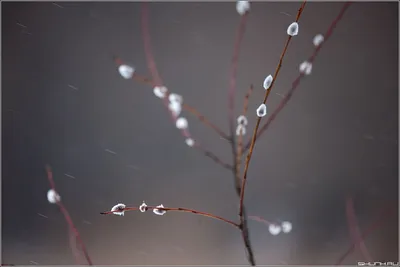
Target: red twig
(205,214)
(205,121)
(355,230)
(68,219)
(234,65)
(158,82)
(382,218)
(259,219)
(151,65)
(296,82)
(240,138)
(212,156)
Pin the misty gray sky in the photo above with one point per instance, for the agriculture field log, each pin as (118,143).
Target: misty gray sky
(64,103)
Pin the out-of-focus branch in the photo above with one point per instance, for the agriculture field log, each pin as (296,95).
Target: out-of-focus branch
(355,230)
(232,80)
(68,219)
(151,65)
(382,218)
(240,138)
(145,80)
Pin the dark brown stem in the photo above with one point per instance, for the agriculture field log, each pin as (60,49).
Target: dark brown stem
(205,214)
(253,140)
(296,82)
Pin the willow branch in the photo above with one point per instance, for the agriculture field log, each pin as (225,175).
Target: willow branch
(253,140)
(296,82)
(201,213)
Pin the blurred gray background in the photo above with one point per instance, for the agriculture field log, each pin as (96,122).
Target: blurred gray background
(338,135)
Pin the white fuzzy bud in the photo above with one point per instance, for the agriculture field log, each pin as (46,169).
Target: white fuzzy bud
(159,211)
(126,71)
(143,207)
(286,227)
(240,130)
(175,108)
(53,197)
(160,91)
(318,39)
(274,229)
(118,209)
(262,110)
(293,29)
(267,82)
(189,142)
(175,98)
(305,68)
(242,120)
(242,7)
(181,123)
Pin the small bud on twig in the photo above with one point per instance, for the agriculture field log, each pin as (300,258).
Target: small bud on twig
(159,211)
(160,91)
(318,39)
(189,142)
(175,98)
(175,108)
(126,71)
(268,81)
(181,123)
(143,207)
(262,110)
(240,130)
(274,229)
(293,29)
(286,227)
(118,209)
(53,197)
(305,68)
(242,120)
(242,7)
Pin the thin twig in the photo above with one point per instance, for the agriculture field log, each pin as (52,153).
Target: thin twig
(240,138)
(253,141)
(148,81)
(233,74)
(259,219)
(202,118)
(355,230)
(212,156)
(238,155)
(205,121)
(296,82)
(205,214)
(67,217)
(231,101)
(145,80)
